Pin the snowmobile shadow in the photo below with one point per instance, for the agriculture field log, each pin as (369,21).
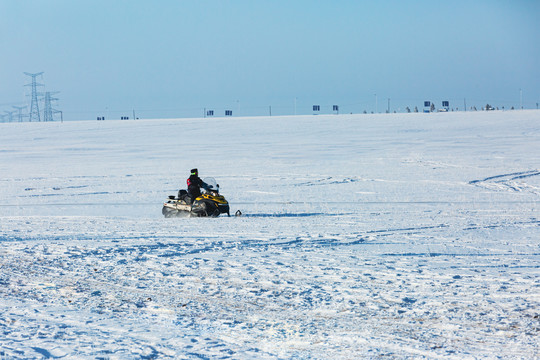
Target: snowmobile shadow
(290,215)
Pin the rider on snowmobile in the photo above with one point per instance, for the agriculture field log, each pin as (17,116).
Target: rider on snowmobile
(195,184)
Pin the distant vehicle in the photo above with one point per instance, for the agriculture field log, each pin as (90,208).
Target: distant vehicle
(210,203)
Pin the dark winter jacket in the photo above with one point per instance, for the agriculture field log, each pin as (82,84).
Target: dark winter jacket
(194,184)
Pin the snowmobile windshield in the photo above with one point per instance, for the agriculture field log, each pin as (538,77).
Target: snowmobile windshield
(212,185)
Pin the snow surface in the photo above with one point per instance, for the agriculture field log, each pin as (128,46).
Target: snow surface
(364,236)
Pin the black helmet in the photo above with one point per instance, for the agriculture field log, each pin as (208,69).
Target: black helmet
(194,172)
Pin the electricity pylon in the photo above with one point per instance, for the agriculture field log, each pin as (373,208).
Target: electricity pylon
(20,109)
(34,107)
(9,115)
(48,110)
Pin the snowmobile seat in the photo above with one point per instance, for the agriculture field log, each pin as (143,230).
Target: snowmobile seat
(181,194)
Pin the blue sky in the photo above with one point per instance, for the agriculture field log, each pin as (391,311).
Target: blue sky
(175,58)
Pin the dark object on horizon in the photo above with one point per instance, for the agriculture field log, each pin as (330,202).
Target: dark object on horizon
(446,105)
(427,106)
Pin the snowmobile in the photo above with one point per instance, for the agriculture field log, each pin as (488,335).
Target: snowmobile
(210,203)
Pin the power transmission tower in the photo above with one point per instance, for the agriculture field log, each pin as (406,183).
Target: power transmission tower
(9,115)
(34,107)
(61,114)
(20,109)
(48,110)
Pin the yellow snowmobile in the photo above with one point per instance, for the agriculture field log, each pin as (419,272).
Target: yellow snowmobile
(210,203)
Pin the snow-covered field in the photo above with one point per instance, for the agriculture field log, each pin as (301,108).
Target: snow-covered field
(363,236)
